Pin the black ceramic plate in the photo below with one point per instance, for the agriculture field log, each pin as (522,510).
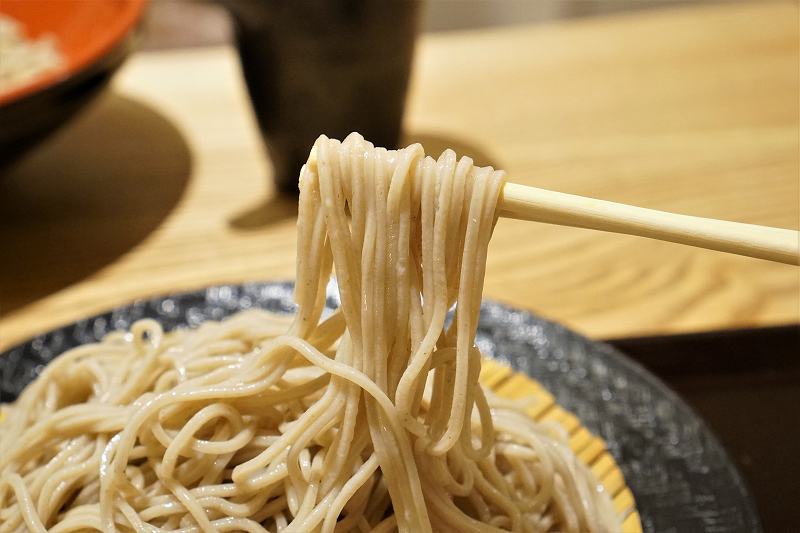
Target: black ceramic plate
(681,477)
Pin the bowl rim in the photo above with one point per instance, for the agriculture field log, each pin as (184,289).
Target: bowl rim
(127,19)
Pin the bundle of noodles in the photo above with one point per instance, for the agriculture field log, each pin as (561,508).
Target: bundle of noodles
(371,419)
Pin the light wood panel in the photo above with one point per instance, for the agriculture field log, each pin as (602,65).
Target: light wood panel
(692,110)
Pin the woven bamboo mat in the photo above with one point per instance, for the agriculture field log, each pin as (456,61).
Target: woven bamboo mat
(590,449)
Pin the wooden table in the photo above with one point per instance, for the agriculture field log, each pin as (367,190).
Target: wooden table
(162,186)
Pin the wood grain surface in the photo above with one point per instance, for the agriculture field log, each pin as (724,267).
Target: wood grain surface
(163,186)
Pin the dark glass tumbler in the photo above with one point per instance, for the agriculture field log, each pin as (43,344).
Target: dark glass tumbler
(324,66)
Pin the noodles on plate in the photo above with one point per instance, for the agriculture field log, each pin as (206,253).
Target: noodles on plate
(369,419)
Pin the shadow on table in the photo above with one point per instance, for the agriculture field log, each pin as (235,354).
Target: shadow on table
(275,208)
(86,196)
(272,209)
(434,144)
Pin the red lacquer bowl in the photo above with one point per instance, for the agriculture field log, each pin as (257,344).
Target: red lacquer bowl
(93,36)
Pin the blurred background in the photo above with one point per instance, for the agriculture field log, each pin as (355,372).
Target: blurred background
(154,163)
(165,22)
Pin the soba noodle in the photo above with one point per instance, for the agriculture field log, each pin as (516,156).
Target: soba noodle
(371,419)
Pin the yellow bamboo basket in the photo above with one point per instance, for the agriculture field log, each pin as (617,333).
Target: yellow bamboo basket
(590,449)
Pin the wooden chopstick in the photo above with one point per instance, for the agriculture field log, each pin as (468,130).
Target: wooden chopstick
(540,205)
